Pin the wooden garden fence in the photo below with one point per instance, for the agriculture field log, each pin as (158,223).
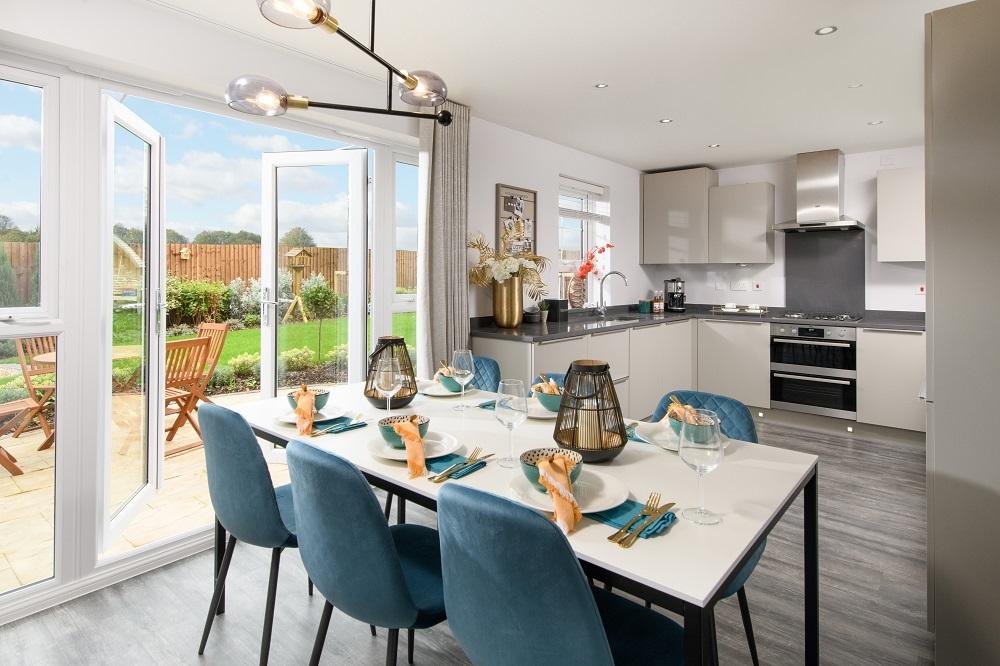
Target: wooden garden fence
(23,258)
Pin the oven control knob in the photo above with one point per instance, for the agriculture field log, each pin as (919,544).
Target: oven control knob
(842,333)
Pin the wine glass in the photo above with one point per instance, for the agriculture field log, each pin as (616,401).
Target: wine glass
(701,448)
(463,369)
(388,379)
(511,410)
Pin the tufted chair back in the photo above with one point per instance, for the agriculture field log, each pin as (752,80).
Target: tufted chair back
(487,377)
(736,420)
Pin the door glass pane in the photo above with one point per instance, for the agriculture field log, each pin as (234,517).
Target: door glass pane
(129,452)
(404,315)
(312,225)
(20,193)
(27,460)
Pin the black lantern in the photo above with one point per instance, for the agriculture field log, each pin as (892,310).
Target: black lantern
(391,346)
(590,418)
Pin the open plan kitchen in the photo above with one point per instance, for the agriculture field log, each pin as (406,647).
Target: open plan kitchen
(567,332)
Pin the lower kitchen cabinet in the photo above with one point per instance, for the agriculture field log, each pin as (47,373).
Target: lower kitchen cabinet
(734,360)
(892,367)
(557,355)
(661,359)
(613,348)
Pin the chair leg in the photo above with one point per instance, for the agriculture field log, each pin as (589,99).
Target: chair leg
(324,624)
(25,422)
(409,645)
(392,646)
(220,585)
(649,605)
(388,505)
(714,636)
(310,587)
(272,591)
(747,624)
(401,511)
(372,627)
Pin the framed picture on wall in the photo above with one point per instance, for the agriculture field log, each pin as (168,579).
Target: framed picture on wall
(516,214)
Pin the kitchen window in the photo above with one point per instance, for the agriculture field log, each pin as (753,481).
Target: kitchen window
(584,221)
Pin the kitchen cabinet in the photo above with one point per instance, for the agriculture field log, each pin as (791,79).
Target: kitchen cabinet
(892,368)
(734,360)
(557,355)
(675,216)
(613,348)
(740,220)
(661,359)
(899,214)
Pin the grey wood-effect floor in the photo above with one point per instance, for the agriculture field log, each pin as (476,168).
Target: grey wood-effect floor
(872,587)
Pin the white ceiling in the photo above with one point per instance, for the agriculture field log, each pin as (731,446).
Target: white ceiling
(750,75)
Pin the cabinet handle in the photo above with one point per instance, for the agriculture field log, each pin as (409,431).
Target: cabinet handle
(818,343)
(736,321)
(893,330)
(598,335)
(824,380)
(549,342)
(620,380)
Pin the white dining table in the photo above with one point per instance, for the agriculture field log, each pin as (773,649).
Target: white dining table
(684,569)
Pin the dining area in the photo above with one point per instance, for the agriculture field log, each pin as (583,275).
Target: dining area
(619,551)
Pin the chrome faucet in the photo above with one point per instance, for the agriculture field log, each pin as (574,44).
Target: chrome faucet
(601,309)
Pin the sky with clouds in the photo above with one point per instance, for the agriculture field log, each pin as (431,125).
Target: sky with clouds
(213,172)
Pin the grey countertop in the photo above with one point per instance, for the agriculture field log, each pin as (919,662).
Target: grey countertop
(621,318)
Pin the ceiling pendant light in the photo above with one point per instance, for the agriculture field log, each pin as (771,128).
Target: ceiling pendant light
(259,95)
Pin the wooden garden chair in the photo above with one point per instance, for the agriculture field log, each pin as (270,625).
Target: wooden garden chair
(11,414)
(183,370)
(217,333)
(38,394)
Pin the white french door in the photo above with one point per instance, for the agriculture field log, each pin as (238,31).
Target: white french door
(314,264)
(132,183)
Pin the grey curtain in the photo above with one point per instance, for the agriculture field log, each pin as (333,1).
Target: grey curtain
(442,274)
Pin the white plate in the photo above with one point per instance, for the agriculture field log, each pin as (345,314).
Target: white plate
(436,444)
(327,414)
(437,390)
(658,434)
(594,491)
(537,411)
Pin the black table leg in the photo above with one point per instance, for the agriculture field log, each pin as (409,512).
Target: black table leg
(811,540)
(220,550)
(698,639)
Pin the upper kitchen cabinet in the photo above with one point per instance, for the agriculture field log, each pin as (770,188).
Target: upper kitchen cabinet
(900,214)
(675,216)
(740,218)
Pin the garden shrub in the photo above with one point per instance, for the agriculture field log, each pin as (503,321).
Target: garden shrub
(301,358)
(337,355)
(10,393)
(245,365)
(196,301)
(251,320)
(244,297)
(7,348)
(223,380)
(121,379)
(181,329)
(235,324)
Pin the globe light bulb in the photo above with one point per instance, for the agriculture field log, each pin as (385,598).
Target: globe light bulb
(298,14)
(257,95)
(429,91)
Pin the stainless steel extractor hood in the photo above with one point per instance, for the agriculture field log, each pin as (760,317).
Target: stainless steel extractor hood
(819,194)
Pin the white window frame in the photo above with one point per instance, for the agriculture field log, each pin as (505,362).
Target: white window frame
(48,205)
(591,195)
(400,302)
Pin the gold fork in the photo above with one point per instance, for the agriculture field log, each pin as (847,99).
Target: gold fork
(648,509)
(473,457)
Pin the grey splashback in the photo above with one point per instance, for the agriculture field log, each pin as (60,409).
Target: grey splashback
(825,271)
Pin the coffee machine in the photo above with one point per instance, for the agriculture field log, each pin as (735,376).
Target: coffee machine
(673,290)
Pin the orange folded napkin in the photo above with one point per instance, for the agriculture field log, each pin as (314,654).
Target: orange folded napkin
(410,434)
(546,386)
(553,473)
(305,406)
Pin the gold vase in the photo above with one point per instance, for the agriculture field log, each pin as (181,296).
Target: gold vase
(577,292)
(508,302)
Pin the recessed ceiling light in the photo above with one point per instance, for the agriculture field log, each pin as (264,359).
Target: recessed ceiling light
(875,122)
(826,30)
(664,121)
(856,85)
(600,85)
(713,145)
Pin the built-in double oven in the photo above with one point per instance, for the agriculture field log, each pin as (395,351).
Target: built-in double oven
(814,369)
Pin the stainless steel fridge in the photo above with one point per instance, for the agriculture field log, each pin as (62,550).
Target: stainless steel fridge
(962,138)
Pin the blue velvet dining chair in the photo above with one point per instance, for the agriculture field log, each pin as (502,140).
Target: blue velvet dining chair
(487,377)
(516,594)
(246,503)
(736,422)
(385,576)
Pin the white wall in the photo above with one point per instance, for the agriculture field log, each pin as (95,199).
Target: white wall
(501,155)
(889,286)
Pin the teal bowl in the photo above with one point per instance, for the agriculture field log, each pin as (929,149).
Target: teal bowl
(322,397)
(549,401)
(450,384)
(529,460)
(390,435)
(698,434)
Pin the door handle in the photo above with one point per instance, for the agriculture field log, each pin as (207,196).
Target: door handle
(818,343)
(265,306)
(824,380)
(159,307)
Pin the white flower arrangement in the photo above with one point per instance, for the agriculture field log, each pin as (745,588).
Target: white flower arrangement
(494,266)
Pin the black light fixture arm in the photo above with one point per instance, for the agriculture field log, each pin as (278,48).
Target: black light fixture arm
(444,116)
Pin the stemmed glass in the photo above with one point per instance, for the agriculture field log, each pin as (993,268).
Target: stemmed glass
(388,379)
(463,369)
(511,410)
(702,448)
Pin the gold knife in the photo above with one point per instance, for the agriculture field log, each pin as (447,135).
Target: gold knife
(632,536)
